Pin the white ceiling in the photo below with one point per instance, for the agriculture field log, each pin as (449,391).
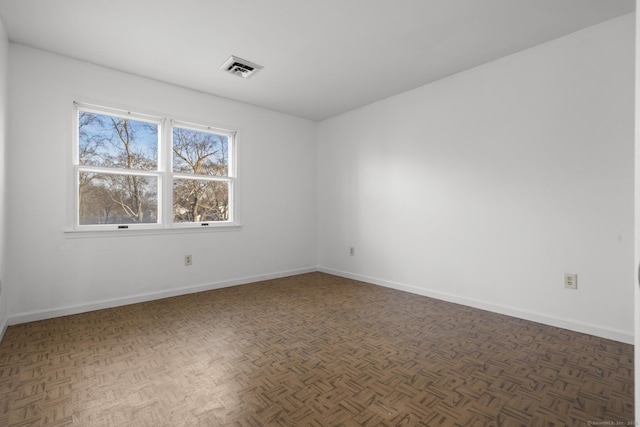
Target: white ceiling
(320,57)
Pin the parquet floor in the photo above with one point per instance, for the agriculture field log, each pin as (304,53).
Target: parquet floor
(308,350)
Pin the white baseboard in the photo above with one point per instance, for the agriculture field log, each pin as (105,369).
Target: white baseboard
(32,316)
(581,327)
(586,328)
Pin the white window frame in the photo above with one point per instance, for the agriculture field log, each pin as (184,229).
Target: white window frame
(230,179)
(164,174)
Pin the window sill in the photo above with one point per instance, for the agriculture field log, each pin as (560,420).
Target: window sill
(82,234)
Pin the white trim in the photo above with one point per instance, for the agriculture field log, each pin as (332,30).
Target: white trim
(200,177)
(35,315)
(587,328)
(117,171)
(5,325)
(112,230)
(203,128)
(123,113)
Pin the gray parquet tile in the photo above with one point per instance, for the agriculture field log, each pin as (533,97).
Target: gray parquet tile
(309,350)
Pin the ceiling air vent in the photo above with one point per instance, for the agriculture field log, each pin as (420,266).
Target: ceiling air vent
(240,67)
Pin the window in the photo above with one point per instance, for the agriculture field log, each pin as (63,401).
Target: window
(138,171)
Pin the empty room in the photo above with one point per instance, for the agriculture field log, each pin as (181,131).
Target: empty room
(318,213)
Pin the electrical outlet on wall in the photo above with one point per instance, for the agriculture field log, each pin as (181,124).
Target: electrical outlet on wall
(352,251)
(188,260)
(570,280)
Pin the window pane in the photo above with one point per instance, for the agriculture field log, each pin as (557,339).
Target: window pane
(114,142)
(117,199)
(199,200)
(200,153)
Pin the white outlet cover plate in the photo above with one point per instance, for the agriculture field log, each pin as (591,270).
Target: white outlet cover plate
(570,281)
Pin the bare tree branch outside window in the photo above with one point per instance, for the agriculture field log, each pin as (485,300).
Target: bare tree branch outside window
(200,153)
(119,144)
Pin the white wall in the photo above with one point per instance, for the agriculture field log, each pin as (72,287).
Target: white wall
(637,222)
(49,273)
(485,187)
(4,52)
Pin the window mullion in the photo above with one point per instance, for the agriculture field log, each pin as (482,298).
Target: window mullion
(167,173)
(114,171)
(202,177)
